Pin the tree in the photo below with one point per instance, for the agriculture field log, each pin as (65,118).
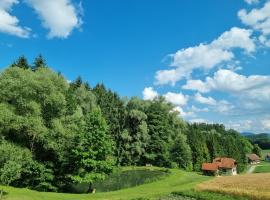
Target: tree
(114,111)
(257,150)
(93,153)
(21,63)
(39,62)
(180,153)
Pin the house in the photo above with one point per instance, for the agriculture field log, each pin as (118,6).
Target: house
(267,157)
(253,159)
(220,166)
(210,169)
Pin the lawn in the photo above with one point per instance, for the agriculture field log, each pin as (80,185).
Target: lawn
(253,186)
(177,181)
(264,152)
(263,167)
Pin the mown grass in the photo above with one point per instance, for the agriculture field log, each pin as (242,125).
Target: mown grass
(263,167)
(252,186)
(177,180)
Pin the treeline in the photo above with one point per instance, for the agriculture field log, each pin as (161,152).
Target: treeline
(55,133)
(262,139)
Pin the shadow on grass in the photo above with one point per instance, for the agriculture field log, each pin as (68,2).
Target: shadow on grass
(3,194)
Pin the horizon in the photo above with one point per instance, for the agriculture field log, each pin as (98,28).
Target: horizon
(210,60)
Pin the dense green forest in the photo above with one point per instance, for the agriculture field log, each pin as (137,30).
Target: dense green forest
(55,133)
(262,139)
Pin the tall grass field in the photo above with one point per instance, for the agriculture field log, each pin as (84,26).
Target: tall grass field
(252,186)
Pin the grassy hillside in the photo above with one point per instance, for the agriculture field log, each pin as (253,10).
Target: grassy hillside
(253,186)
(176,181)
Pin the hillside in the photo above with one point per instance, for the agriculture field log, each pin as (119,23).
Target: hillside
(262,139)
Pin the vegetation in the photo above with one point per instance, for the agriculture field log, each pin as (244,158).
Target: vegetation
(263,167)
(252,186)
(54,134)
(177,180)
(262,139)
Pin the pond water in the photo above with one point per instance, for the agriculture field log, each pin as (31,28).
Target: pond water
(123,179)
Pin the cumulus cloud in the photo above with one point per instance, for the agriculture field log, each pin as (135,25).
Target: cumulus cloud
(149,93)
(251,1)
(258,19)
(204,100)
(61,17)
(206,56)
(199,120)
(176,98)
(229,81)
(266,124)
(252,92)
(195,109)
(221,106)
(10,24)
(182,113)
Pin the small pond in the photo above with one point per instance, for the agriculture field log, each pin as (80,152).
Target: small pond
(123,179)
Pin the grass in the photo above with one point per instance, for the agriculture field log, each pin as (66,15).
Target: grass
(264,152)
(177,180)
(263,167)
(253,186)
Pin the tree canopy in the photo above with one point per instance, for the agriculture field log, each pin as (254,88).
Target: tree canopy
(54,133)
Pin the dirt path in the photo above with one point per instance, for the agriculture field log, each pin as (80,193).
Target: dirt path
(251,169)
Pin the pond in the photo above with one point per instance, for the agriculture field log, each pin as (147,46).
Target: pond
(123,179)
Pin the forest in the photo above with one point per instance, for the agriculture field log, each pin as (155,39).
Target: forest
(55,133)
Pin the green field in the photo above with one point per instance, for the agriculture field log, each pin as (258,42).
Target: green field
(177,181)
(263,167)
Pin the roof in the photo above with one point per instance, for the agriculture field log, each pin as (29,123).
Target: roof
(209,166)
(253,157)
(224,162)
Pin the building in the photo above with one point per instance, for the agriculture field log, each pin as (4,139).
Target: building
(220,166)
(267,157)
(253,159)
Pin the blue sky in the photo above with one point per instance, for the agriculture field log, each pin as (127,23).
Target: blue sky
(209,58)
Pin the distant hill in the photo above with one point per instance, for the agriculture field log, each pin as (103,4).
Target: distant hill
(262,139)
(247,133)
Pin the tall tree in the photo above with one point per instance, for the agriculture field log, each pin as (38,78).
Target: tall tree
(39,62)
(94,150)
(21,62)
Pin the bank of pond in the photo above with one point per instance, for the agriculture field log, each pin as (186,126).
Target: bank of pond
(121,179)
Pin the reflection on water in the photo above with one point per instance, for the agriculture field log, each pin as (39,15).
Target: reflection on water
(123,179)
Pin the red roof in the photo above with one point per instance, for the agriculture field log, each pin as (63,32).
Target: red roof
(210,166)
(227,163)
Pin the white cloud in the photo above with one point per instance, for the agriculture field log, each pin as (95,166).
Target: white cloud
(240,125)
(251,1)
(197,85)
(258,19)
(199,120)
(149,93)
(205,100)
(206,56)
(229,81)
(195,109)
(224,107)
(182,113)
(176,98)
(221,106)
(60,17)
(10,24)
(266,124)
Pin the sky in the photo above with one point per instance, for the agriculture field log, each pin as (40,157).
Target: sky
(209,58)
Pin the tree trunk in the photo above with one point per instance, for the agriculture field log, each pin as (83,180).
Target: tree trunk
(1,194)
(90,188)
